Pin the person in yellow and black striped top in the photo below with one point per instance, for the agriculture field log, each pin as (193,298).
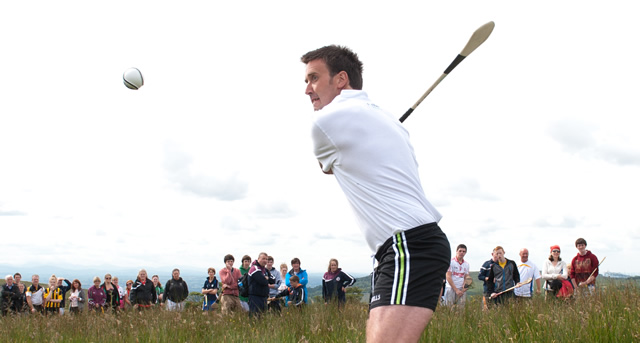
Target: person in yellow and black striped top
(52,296)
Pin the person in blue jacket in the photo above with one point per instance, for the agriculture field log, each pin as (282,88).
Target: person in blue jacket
(302,275)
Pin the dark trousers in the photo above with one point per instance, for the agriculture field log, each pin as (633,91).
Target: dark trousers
(257,304)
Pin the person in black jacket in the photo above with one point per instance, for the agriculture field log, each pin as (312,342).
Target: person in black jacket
(334,283)
(503,275)
(143,293)
(258,285)
(9,296)
(295,293)
(175,292)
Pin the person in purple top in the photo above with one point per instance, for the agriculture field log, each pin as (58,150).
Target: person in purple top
(335,282)
(97,297)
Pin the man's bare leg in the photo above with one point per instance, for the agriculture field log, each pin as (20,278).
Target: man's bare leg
(397,323)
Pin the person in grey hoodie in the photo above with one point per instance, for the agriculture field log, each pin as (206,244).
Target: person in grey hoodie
(275,281)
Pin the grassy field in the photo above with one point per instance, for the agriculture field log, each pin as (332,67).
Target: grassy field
(612,315)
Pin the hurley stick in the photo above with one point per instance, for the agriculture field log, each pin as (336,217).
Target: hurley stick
(516,286)
(478,37)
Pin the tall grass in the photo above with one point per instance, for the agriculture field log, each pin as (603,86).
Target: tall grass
(611,315)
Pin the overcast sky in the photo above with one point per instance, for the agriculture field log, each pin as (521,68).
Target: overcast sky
(531,141)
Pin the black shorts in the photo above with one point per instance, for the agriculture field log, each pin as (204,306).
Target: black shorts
(411,267)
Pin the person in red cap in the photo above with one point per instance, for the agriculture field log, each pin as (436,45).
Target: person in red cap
(554,271)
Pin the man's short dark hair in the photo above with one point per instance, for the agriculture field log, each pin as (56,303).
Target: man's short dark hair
(461,246)
(228,257)
(246,258)
(270,258)
(338,58)
(295,260)
(581,241)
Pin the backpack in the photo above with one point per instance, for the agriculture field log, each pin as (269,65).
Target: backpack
(243,285)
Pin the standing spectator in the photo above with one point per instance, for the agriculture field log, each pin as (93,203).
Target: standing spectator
(334,283)
(96,295)
(527,269)
(258,285)
(583,266)
(229,277)
(503,275)
(35,295)
(244,268)
(22,305)
(17,280)
(302,275)
(143,292)
(112,293)
(283,274)
(76,300)
(555,272)
(127,297)
(63,291)
(484,275)
(121,292)
(275,281)
(10,296)
(159,290)
(176,292)
(454,292)
(210,290)
(52,296)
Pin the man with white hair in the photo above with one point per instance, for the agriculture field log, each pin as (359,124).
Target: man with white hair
(9,296)
(527,269)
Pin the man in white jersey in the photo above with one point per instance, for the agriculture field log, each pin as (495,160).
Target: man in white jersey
(527,269)
(455,293)
(369,153)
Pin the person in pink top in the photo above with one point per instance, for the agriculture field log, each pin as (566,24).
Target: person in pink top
(229,277)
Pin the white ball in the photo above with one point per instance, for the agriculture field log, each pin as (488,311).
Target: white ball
(132,78)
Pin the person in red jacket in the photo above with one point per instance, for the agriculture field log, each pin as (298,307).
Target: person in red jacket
(583,266)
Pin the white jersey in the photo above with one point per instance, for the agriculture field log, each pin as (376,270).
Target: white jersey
(369,152)
(458,271)
(527,270)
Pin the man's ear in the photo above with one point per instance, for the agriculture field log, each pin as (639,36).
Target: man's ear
(343,80)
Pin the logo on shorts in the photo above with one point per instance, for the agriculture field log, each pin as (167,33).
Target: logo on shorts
(375,298)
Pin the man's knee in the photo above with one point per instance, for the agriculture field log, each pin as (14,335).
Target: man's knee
(385,321)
